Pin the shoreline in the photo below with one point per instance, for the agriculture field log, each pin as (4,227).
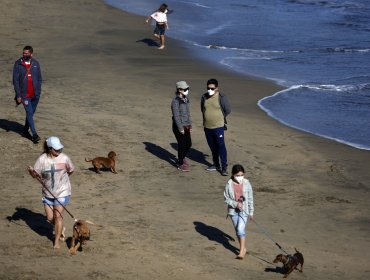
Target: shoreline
(106,89)
(192,52)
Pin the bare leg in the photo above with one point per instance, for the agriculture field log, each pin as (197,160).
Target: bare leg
(58,222)
(162,42)
(49,213)
(242,250)
(156,35)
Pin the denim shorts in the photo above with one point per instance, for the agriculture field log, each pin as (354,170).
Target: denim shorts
(160,29)
(53,202)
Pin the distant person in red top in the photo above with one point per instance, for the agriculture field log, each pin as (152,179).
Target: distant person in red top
(27,82)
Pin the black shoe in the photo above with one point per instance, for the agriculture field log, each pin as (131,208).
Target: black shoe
(36,139)
(224,172)
(27,135)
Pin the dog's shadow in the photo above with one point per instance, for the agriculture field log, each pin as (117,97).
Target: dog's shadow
(214,234)
(102,169)
(11,126)
(277,269)
(161,153)
(35,221)
(194,155)
(149,42)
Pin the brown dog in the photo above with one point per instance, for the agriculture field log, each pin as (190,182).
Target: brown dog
(109,162)
(81,233)
(290,262)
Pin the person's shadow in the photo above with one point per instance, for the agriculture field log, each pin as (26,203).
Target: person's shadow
(217,235)
(194,155)
(35,221)
(11,126)
(161,153)
(149,42)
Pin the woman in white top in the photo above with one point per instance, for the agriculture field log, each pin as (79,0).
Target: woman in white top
(53,169)
(160,18)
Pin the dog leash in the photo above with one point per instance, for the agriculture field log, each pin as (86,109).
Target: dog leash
(265,232)
(242,199)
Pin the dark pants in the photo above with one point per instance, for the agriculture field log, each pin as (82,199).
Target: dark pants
(30,105)
(216,142)
(183,142)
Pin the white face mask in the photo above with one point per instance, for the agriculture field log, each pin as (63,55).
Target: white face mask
(239,179)
(165,11)
(185,93)
(211,92)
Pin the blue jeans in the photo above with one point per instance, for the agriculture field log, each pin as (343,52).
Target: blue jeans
(30,105)
(216,142)
(240,221)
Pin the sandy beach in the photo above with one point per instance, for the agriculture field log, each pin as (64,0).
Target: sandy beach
(107,87)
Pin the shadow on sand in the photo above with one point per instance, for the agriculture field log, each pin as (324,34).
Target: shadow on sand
(11,126)
(214,234)
(161,153)
(194,155)
(35,221)
(149,42)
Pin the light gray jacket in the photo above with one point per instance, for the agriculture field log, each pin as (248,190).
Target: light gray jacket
(232,204)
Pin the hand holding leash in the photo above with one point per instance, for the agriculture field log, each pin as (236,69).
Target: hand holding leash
(37,176)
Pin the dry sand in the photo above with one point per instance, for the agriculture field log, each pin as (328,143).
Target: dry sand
(106,88)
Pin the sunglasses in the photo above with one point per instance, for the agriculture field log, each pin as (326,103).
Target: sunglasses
(211,88)
(184,89)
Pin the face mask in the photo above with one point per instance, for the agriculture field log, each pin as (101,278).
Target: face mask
(211,92)
(26,57)
(166,11)
(239,179)
(185,93)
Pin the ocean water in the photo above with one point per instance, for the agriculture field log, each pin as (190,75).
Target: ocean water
(318,50)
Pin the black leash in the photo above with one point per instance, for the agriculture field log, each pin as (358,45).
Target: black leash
(242,199)
(265,232)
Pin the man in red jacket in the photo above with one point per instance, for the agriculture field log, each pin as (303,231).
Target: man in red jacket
(27,82)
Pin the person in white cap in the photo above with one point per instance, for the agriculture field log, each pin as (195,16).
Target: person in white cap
(53,169)
(181,123)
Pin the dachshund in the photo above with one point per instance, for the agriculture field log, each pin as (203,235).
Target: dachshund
(109,162)
(290,262)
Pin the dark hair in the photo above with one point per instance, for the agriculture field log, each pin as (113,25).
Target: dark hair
(162,8)
(46,148)
(28,48)
(235,170)
(213,82)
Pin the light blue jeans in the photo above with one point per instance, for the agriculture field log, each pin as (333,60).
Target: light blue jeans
(240,221)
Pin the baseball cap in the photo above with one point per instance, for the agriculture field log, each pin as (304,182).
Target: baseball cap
(54,142)
(182,85)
